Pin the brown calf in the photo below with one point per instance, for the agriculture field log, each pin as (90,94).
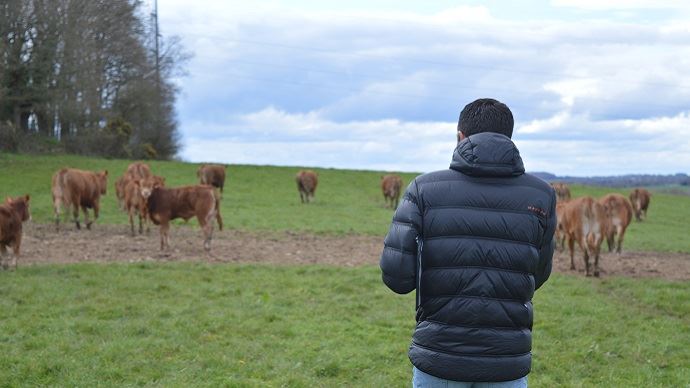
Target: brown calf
(619,213)
(12,214)
(185,202)
(639,198)
(584,221)
(391,186)
(562,191)
(136,194)
(78,189)
(307,181)
(212,174)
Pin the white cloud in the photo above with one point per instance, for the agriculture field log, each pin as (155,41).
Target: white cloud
(383,89)
(567,144)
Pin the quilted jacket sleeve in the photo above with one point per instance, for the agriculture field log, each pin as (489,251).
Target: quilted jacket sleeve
(399,257)
(547,247)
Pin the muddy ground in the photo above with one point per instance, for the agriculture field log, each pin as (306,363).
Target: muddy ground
(107,243)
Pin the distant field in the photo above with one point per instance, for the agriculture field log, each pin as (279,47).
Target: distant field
(265,198)
(183,324)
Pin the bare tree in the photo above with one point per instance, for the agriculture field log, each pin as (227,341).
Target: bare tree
(76,70)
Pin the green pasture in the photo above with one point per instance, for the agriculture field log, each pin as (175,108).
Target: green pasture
(191,324)
(185,324)
(265,198)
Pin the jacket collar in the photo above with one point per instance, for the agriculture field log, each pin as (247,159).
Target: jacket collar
(487,154)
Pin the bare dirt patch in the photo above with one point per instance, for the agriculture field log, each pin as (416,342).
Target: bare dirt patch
(108,243)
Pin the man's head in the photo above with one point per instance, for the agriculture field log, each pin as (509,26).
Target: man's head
(485,115)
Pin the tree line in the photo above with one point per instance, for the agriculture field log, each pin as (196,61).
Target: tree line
(86,77)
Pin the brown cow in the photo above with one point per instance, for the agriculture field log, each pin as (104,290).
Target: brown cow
(307,181)
(165,204)
(78,188)
(135,199)
(13,213)
(584,221)
(138,170)
(560,234)
(391,186)
(639,198)
(562,191)
(212,174)
(620,213)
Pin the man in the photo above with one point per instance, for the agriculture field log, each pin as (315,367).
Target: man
(475,241)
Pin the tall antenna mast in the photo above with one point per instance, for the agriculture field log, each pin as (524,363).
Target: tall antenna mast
(155,15)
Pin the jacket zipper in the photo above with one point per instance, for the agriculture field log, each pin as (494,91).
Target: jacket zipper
(420,244)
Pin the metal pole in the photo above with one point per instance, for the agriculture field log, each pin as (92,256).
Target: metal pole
(158,77)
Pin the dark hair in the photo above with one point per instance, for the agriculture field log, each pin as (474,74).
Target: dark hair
(486,115)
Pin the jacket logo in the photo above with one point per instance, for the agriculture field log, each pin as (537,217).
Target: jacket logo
(537,210)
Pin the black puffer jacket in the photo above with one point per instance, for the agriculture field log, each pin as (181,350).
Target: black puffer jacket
(475,241)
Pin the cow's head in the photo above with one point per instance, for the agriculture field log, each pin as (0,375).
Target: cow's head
(146,186)
(103,181)
(20,205)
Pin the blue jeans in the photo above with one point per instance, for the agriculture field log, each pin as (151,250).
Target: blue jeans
(424,380)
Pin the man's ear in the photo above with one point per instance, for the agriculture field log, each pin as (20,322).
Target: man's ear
(461,136)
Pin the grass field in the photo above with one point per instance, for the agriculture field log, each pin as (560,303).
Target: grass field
(187,324)
(265,199)
(301,326)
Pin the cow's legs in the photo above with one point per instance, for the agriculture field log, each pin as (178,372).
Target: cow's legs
(86,217)
(571,248)
(164,228)
(596,261)
(141,226)
(96,209)
(219,219)
(130,213)
(15,249)
(3,252)
(587,273)
(610,239)
(57,209)
(75,215)
(207,228)
(621,236)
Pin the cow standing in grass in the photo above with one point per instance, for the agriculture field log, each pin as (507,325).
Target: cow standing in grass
(135,202)
(167,204)
(136,170)
(78,189)
(13,213)
(212,174)
(640,199)
(619,213)
(391,186)
(307,181)
(584,221)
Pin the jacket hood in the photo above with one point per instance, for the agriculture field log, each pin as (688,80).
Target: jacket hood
(487,154)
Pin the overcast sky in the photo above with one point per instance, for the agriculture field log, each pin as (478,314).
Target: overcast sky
(596,87)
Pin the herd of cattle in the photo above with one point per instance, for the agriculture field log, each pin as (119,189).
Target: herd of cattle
(585,221)
(143,195)
(588,222)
